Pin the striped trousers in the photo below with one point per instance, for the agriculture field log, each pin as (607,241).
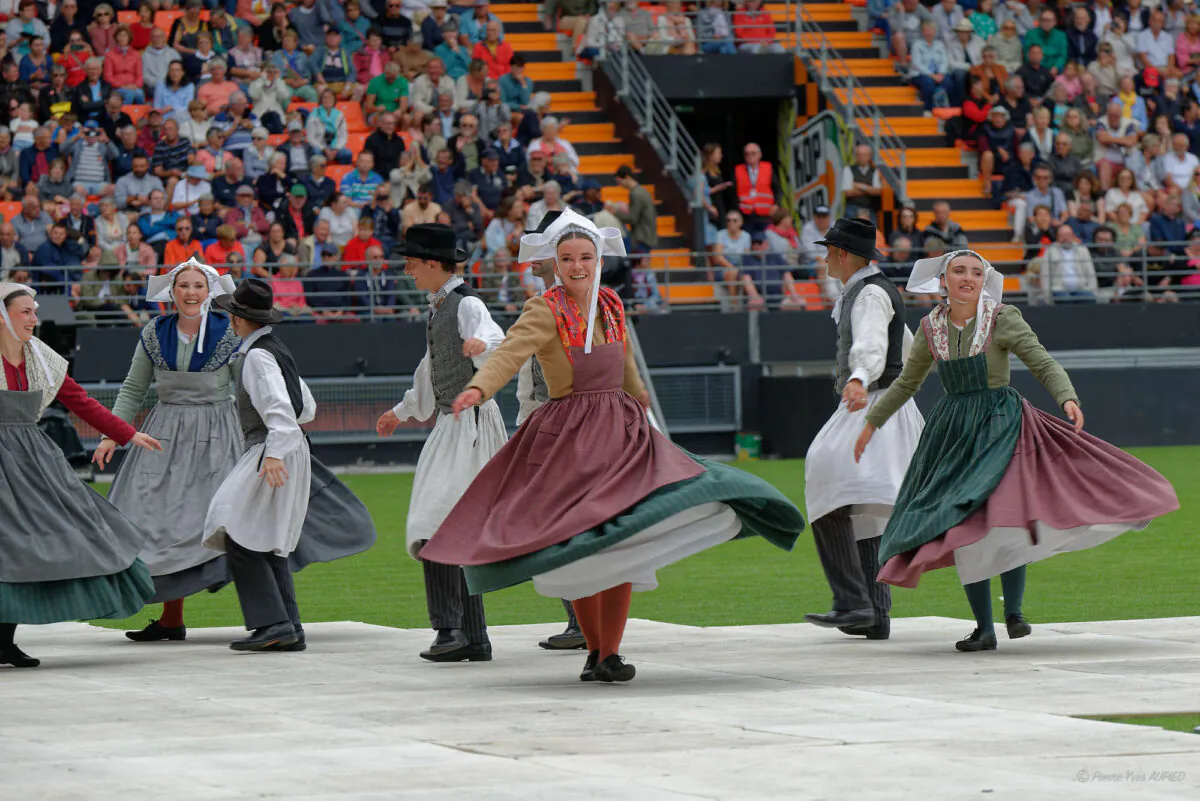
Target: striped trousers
(264,587)
(450,603)
(850,566)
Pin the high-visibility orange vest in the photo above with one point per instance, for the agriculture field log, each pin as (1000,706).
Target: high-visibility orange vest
(757,199)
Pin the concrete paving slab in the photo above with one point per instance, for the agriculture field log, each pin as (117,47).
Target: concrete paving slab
(756,713)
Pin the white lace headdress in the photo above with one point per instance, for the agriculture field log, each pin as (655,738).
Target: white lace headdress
(926,280)
(161,289)
(7,288)
(608,242)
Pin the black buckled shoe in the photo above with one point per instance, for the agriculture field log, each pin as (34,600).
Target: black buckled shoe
(589,667)
(613,668)
(882,629)
(1018,626)
(12,655)
(977,641)
(268,638)
(156,632)
(836,619)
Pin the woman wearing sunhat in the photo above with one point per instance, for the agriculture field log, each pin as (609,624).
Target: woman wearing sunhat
(996,484)
(186,355)
(278,501)
(65,552)
(849,504)
(586,500)
(460,337)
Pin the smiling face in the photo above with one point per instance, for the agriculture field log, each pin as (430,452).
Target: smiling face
(577,264)
(964,280)
(428,275)
(22,311)
(190,290)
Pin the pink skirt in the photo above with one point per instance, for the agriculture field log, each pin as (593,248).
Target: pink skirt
(1062,492)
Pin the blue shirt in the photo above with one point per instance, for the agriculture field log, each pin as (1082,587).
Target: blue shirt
(1164,229)
(512,94)
(443,186)
(467,24)
(174,101)
(456,61)
(360,190)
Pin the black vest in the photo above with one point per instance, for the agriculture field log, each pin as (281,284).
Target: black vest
(865,175)
(254,430)
(895,352)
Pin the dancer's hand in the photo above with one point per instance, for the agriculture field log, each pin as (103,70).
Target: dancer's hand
(1074,414)
(143,440)
(468,398)
(104,452)
(388,421)
(274,472)
(643,398)
(863,438)
(854,395)
(474,347)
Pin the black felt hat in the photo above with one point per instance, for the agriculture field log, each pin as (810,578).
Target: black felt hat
(434,242)
(853,236)
(252,300)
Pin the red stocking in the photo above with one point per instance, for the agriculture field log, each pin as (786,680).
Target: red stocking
(614,612)
(587,612)
(172,614)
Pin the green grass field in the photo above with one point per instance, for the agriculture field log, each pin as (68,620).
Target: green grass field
(1154,573)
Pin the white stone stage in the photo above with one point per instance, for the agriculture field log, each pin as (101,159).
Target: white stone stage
(756,712)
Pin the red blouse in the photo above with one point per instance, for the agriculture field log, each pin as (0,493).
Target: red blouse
(77,401)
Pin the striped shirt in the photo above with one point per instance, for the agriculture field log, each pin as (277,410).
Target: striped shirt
(171,157)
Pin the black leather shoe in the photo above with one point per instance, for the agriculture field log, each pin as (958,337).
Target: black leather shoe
(156,632)
(268,638)
(12,655)
(446,642)
(882,629)
(570,640)
(613,668)
(836,619)
(589,667)
(1018,627)
(298,645)
(479,652)
(977,641)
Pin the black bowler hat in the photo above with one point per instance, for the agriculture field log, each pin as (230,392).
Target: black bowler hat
(853,236)
(252,300)
(550,217)
(434,242)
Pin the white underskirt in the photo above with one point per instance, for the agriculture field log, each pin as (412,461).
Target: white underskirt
(636,560)
(1006,548)
(257,516)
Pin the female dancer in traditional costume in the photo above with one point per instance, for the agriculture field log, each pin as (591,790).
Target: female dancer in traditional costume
(586,499)
(65,552)
(996,484)
(186,354)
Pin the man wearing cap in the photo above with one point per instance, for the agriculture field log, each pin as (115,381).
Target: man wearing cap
(811,234)
(996,141)
(460,337)
(297,216)
(849,503)
(965,51)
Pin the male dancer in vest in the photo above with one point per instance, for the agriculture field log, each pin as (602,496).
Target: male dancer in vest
(532,392)
(850,503)
(460,336)
(257,514)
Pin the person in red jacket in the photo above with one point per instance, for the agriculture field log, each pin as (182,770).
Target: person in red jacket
(355,253)
(495,53)
(754,29)
(123,68)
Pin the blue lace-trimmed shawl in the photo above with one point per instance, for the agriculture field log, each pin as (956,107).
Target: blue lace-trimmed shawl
(160,339)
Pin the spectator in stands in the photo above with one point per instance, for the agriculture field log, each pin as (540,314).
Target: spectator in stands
(1014,11)
(56,262)
(175,92)
(186,30)
(427,86)
(270,31)
(1155,46)
(494,52)
(1180,164)
(606,30)
(319,185)
(271,252)
(551,201)
(157,222)
(1008,47)
(327,289)
(1083,144)
(488,182)
(68,19)
(1065,165)
(1043,193)
(257,158)
(729,254)
(212,156)
(246,59)
(757,187)
(194,128)
(1081,222)
(863,181)
(965,51)
(271,96)
(491,112)
(327,129)
(1104,71)
(931,68)
(386,218)
(34,162)
(385,145)
(88,155)
(26,26)
(156,59)
(1187,47)
(360,184)
(1068,275)
(288,289)
(639,213)
(1116,136)
(673,32)
(133,190)
(947,14)
(753,28)
(226,185)
(333,68)
(310,21)
(187,193)
(1053,45)
(569,16)
(639,25)
(1041,135)
(1124,192)
(298,215)
(171,156)
(370,59)
(355,253)
(1168,230)
(81,228)
(295,67)
(905,20)
(342,217)
(387,92)
(1040,233)
(217,254)
(503,233)
(74,58)
(34,69)
(467,218)
(89,97)
(1081,39)
(443,175)
(454,51)
(423,210)
(247,217)
(123,67)
(1035,76)
(394,26)
(550,144)
(110,227)
(273,185)
(32,226)
(810,233)
(944,228)
(216,92)
(468,90)
(413,57)
(113,119)
(206,220)
(53,187)
(12,258)
(434,28)
(518,93)
(297,150)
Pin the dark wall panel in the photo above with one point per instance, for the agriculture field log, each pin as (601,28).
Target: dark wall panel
(695,338)
(723,77)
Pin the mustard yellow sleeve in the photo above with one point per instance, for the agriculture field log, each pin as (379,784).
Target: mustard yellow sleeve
(632,382)
(532,331)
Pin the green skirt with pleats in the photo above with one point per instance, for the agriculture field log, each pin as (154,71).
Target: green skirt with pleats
(968,442)
(762,509)
(117,596)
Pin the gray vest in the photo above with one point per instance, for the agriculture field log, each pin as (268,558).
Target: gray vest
(895,353)
(541,392)
(865,175)
(449,370)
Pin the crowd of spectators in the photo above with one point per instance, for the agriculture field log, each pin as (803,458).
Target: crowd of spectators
(1086,121)
(293,142)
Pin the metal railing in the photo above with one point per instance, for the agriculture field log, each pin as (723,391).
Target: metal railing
(850,98)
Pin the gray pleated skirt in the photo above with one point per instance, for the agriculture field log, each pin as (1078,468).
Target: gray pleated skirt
(66,553)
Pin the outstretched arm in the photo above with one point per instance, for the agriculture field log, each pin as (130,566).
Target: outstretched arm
(916,369)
